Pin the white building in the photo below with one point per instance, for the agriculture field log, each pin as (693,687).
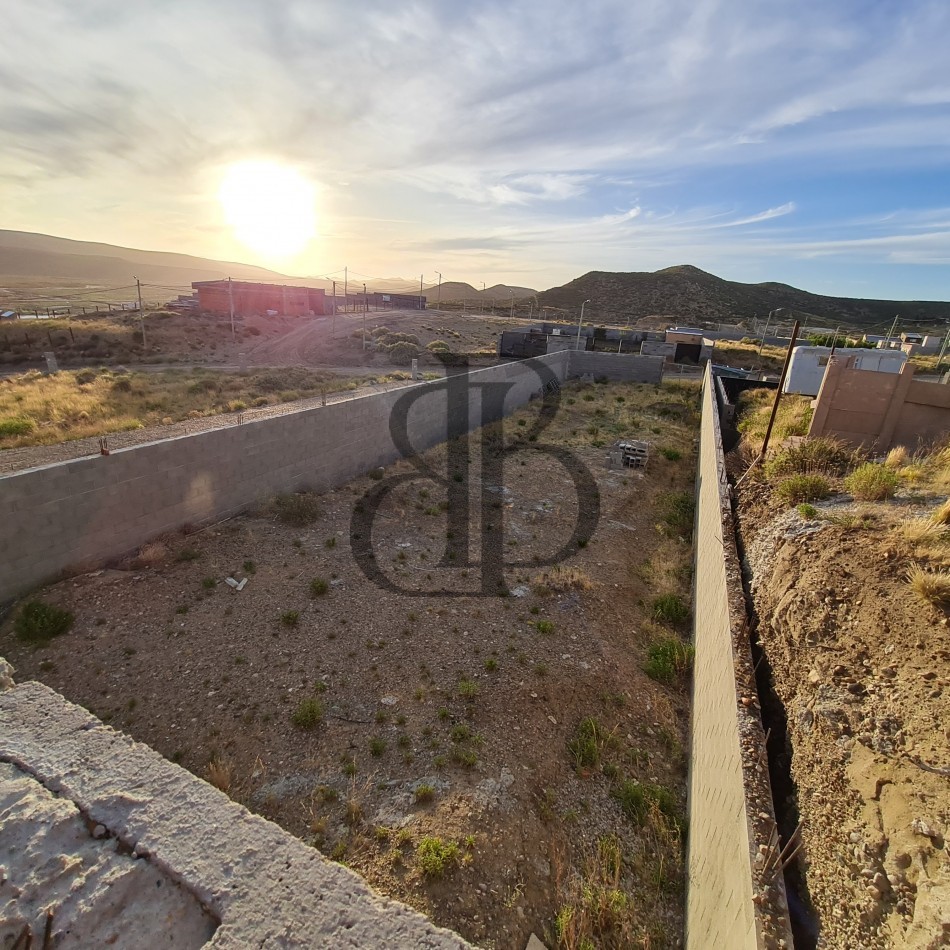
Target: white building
(808,364)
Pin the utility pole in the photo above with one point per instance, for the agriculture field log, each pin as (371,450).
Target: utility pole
(364,316)
(890,332)
(138,287)
(333,312)
(943,350)
(577,345)
(438,301)
(231,306)
(345,288)
(511,315)
(420,290)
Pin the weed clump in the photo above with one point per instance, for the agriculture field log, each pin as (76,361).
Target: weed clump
(584,748)
(871,482)
(435,856)
(297,508)
(636,800)
(15,426)
(797,489)
(39,622)
(671,609)
(308,714)
(932,587)
(290,618)
(818,456)
(669,659)
(677,511)
(319,587)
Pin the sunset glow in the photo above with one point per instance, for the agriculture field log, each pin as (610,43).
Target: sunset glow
(270,207)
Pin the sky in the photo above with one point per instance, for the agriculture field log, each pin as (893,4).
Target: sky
(523,141)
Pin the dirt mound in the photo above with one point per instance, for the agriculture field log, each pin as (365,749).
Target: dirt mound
(860,665)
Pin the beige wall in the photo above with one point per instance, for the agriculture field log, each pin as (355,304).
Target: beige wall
(720,909)
(880,409)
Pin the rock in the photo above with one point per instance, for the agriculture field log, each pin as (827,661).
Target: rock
(533,943)
(389,700)
(99,831)
(813,677)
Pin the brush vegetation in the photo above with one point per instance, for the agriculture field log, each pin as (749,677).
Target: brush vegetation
(41,409)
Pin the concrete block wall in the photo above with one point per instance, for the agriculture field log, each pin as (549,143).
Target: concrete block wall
(618,367)
(726,905)
(77,513)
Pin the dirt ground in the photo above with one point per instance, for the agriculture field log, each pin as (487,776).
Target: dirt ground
(502,763)
(258,341)
(860,664)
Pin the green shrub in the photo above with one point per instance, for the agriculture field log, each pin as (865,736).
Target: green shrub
(671,608)
(544,626)
(799,488)
(871,482)
(290,618)
(673,455)
(808,511)
(318,587)
(821,456)
(584,747)
(636,800)
(15,426)
(668,659)
(308,714)
(434,856)
(402,353)
(297,508)
(677,510)
(39,622)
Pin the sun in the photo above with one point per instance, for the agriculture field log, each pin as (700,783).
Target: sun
(269,206)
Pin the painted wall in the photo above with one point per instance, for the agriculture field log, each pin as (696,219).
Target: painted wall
(808,364)
(880,409)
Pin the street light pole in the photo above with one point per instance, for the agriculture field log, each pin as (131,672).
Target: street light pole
(577,345)
(438,301)
(511,315)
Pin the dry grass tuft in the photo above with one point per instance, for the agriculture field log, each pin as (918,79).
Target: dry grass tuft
(897,457)
(933,587)
(922,531)
(565,578)
(151,554)
(942,515)
(220,774)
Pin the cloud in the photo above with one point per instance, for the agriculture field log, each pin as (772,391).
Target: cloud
(538,129)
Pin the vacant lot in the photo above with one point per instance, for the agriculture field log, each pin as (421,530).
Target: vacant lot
(849,564)
(38,409)
(506,763)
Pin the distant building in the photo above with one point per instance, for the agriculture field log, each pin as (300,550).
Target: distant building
(253,298)
(806,370)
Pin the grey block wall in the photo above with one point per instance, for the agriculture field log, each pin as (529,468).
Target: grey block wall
(619,367)
(78,513)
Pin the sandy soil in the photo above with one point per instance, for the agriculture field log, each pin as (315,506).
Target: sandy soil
(861,667)
(439,716)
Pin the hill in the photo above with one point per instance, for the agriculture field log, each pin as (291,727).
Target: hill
(455,291)
(686,295)
(24,254)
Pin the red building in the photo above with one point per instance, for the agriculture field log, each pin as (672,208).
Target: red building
(253,298)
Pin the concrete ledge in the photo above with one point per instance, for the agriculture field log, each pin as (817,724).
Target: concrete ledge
(265,887)
(730,902)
